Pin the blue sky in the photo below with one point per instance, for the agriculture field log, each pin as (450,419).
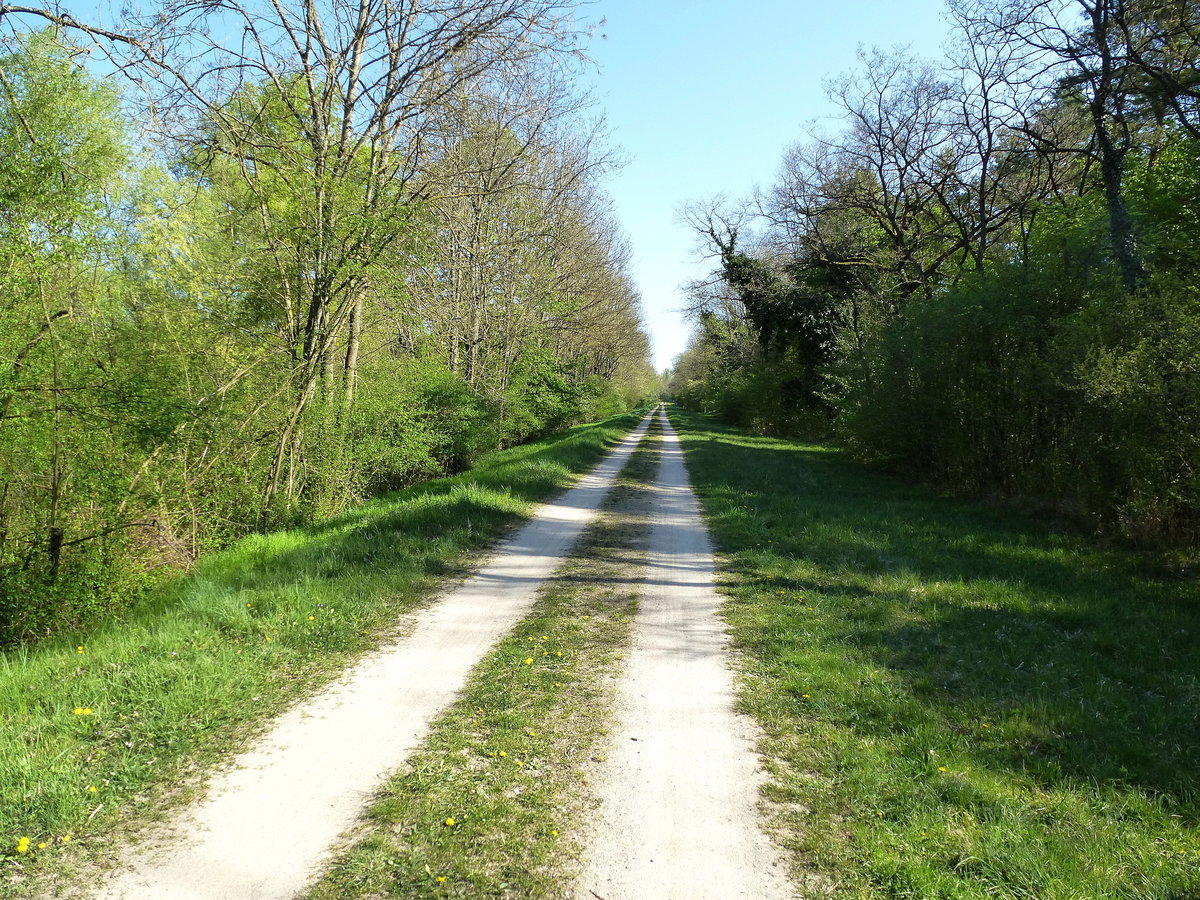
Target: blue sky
(703,98)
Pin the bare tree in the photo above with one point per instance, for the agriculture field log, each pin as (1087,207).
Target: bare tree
(1077,47)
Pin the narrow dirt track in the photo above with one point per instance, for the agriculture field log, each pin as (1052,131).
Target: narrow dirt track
(678,816)
(269,823)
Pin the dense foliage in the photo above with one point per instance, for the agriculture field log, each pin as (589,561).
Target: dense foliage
(990,278)
(268,282)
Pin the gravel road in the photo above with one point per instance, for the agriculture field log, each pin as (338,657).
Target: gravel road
(678,813)
(678,816)
(268,824)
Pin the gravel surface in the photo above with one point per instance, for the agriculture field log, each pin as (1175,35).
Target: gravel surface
(679,814)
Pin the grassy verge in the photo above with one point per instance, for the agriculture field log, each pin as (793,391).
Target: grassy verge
(91,726)
(493,802)
(959,702)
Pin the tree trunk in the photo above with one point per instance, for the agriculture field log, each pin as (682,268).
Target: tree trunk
(1120,223)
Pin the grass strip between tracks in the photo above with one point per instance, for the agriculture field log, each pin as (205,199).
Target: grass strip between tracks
(959,701)
(495,801)
(92,728)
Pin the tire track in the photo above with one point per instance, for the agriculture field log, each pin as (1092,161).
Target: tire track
(268,824)
(678,814)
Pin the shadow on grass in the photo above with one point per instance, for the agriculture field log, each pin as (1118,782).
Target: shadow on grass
(1082,662)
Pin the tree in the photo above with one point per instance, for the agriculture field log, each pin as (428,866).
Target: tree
(326,112)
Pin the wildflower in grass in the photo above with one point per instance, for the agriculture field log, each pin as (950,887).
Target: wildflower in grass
(83,710)
(23,845)
(804,696)
(986,725)
(544,638)
(312,618)
(529,660)
(941,768)
(42,845)
(558,653)
(66,838)
(91,789)
(504,753)
(79,649)
(450,822)
(554,832)
(441,879)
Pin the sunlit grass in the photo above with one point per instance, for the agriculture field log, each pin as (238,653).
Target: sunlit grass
(187,675)
(959,701)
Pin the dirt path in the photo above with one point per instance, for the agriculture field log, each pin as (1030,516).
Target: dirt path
(678,816)
(269,823)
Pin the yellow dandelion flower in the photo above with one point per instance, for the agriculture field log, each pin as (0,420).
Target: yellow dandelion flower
(91,789)
(79,649)
(986,725)
(66,838)
(42,845)
(520,762)
(529,660)
(558,653)
(504,753)
(554,832)
(532,733)
(544,638)
(804,696)
(79,710)
(441,879)
(87,710)
(941,768)
(312,618)
(23,845)
(450,822)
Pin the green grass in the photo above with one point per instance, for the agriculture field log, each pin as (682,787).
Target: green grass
(92,726)
(958,701)
(510,761)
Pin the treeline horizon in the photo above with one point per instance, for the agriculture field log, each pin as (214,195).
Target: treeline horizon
(275,261)
(990,277)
